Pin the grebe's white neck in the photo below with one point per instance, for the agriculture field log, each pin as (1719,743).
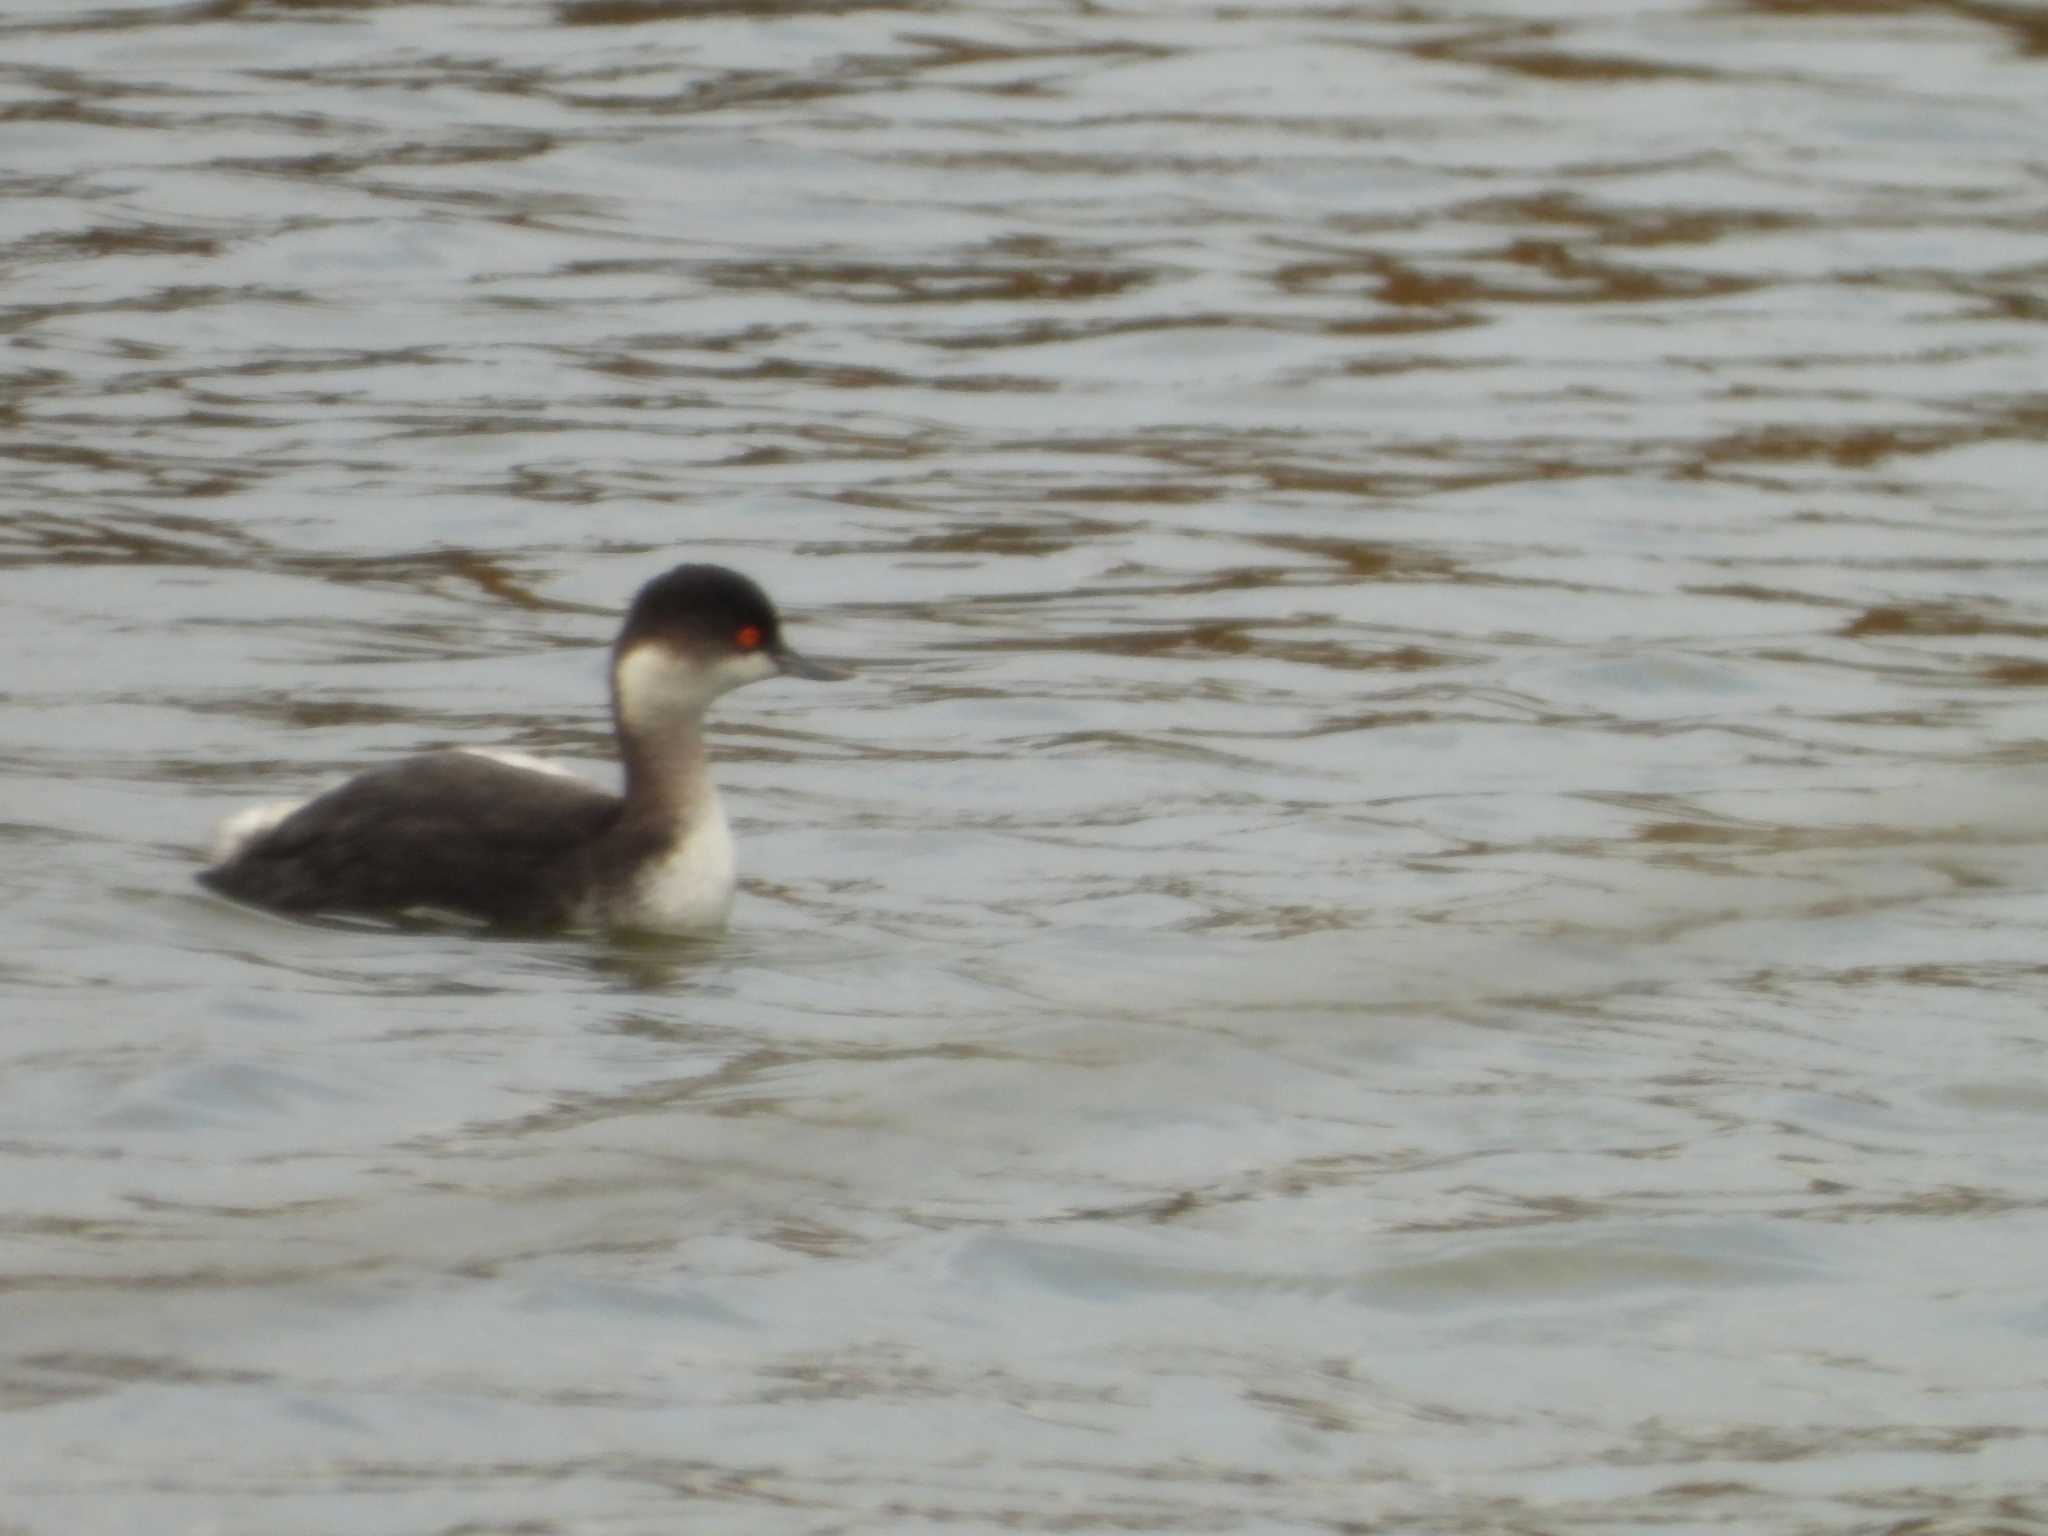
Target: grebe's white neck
(659,698)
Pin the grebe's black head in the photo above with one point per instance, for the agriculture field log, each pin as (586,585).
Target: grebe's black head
(694,633)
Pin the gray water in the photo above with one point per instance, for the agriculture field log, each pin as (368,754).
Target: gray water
(1425,916)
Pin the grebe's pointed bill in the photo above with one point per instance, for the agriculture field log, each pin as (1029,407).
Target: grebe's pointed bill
(794,665)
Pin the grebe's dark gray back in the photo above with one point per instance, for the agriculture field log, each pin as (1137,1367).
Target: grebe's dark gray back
(513,842)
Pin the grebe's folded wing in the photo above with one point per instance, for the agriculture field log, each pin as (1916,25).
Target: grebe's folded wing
(455,830)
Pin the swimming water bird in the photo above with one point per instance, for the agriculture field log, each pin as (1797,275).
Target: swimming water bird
(515,842)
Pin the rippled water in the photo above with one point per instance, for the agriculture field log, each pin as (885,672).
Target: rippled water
(1426,916)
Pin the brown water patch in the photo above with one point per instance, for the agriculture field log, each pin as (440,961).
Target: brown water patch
(627,13)
(1222,637)
(2025,24)
(1369,559)
(1627,224)
(868,282)
(1751,592)
(1938,619)
(1521,49)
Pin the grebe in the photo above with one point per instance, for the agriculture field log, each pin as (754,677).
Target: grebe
(515,842)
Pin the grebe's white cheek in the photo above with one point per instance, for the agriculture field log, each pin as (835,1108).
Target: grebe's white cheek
(737,671)
(656,687)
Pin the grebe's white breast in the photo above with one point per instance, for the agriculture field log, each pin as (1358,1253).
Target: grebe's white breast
(690,888)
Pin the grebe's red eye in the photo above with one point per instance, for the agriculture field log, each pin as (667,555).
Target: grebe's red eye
(748,639)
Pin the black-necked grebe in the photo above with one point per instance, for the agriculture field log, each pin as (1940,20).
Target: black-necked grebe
(515,842)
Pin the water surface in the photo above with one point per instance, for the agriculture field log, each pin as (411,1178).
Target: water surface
(1425,916)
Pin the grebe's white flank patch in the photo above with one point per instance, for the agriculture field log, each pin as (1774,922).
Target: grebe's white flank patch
(525,760)
(246,825)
